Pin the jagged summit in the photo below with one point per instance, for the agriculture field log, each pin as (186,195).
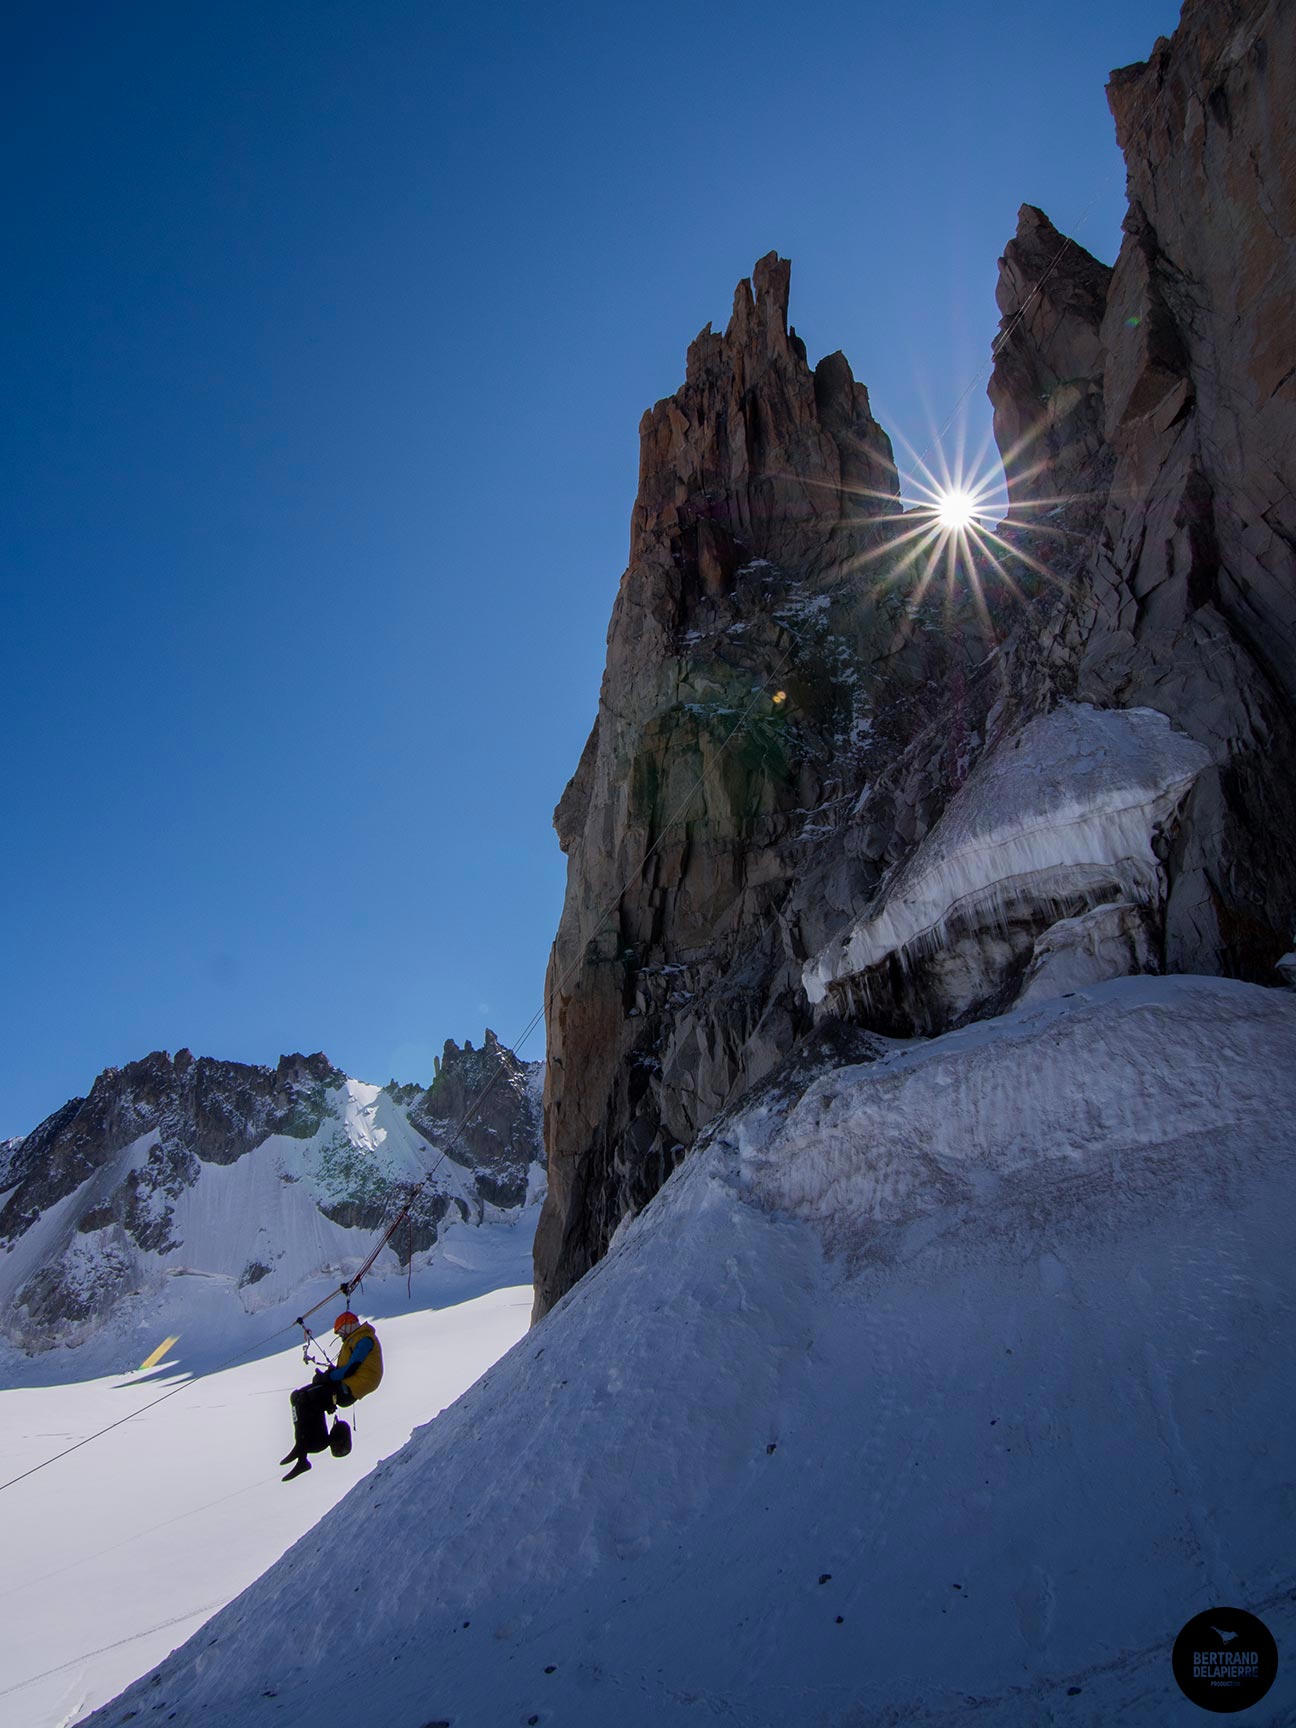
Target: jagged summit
(761,664)
(1046,385)
(757,456)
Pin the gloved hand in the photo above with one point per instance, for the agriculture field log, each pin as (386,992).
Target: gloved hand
(320,1377)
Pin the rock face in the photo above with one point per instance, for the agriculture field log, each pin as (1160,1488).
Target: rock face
(773,825)
(1047,384)
(482,1107)
(759,481)
(1185,600)
(765,614)
(756,457)
(254,1177)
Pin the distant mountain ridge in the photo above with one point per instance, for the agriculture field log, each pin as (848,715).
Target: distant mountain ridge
(257,1178)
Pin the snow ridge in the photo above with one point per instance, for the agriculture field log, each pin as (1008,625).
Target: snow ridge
(949,1388)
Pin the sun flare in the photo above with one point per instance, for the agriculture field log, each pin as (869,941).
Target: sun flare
(959,536)
(953,539)
(956,509)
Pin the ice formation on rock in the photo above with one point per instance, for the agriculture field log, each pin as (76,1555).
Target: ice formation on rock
(1059,819)
(1110,941)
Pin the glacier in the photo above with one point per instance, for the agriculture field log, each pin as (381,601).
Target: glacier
(99,1585)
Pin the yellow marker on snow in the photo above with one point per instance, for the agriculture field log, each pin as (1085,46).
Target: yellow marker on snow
(157,1355)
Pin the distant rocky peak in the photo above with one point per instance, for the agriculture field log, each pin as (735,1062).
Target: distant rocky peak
(199,1108)
(483,1109)
(160,1075)
(465,1061)
(113,1194)
(302,1070)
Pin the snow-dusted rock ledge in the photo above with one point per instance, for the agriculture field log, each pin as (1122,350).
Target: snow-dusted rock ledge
(1062,818)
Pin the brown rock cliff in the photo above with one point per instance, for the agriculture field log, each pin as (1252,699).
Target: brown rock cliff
(784,718)
(759,618)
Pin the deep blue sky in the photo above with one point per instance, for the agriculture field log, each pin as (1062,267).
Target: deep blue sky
(327,329)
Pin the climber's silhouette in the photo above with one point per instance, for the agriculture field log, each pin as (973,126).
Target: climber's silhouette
(358,1370)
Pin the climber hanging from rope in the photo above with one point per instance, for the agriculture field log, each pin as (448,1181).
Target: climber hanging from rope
(337,1385)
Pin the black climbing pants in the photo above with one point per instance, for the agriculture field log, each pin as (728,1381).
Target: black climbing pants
(311,1407)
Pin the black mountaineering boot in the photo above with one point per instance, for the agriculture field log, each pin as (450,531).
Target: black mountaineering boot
(298,1469)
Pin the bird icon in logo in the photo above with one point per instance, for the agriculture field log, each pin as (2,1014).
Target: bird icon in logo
(1228,1637)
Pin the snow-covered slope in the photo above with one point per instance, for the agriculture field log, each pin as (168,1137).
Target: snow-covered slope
(185,1196)
(120,1549)
(940,1388)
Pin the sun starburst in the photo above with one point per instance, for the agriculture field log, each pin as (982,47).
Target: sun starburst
(956,509)
(967,532)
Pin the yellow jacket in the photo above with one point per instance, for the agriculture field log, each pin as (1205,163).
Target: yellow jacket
(368,1372)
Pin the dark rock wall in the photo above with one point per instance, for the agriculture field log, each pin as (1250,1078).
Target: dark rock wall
(1047,383)
(718,833)
(1185,598)
(767,654)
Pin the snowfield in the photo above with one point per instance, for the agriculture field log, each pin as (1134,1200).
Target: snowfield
(125,1546)
(944,1388)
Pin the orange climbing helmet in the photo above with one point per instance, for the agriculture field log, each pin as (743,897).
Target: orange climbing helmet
(345,1319)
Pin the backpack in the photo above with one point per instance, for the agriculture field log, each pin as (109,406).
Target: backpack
(340,1439)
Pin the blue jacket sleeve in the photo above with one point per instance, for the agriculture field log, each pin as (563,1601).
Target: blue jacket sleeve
(358,1355)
